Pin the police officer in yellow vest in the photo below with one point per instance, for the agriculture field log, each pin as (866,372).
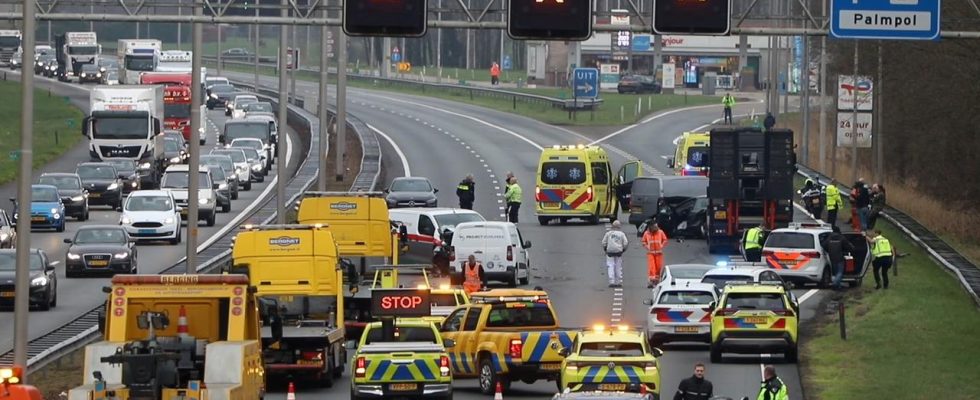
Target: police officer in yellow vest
(753,243)
(834,203)
(728,101)
(883,255)
(772,387)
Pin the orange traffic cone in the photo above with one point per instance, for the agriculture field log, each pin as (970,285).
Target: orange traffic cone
(182,323)
(291,392)
(499,392)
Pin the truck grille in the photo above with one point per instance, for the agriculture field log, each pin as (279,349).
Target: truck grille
(123,151)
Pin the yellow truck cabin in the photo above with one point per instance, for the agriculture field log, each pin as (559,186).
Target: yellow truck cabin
(691,154)
(203,330)
(359,221)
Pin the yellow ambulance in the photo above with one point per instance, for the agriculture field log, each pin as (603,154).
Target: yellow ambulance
(691,154)
(577,182)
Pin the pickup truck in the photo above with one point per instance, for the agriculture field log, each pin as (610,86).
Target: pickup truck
(506,335)
(412,363)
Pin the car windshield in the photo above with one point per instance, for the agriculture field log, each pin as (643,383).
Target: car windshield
(8,261)
(254,130)
(697,157)
(721,280)
(222,161)
(685,187)
(532,314)
(411,185)
(251,154)
(241,103)
(258,106)
(171,146)
(121,127)
(222,88)
(646,187)
(790,240)
(93,236)
(171,110)
(247,144)
(611,349)
(403,334)
(755,301)
(686,297)
(96,172)
(217,173)
(90,68)
(180,180)
(690,272)
(123,165)
(237,156)
(562,173)
(451,220)
(140,62)
(149,203)
(44,195)
(83,50)
(61,182)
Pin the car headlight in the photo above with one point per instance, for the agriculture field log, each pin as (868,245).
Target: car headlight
(239,168)
(78,198)
(73,256)
(145,166)
(15,216)
(125,220)
(169,220)
(39,281)
(213,96)
(54,210)
(113,186)
(98,75)
(203,200)
(133,184)
(256,167)
(175,160)
(82,75)
(120,256)
(223,186)
(56,216)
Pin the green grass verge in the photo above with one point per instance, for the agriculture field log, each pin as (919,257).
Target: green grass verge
(916,340)
(53,134)
(616,109)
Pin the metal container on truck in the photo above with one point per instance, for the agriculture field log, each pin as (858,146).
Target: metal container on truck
(137,56)
(123,121)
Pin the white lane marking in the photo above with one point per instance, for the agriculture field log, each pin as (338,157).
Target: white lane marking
(398,150)
(654,117)
(807,295)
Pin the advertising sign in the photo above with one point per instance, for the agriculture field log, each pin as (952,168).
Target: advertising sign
(668,75)
(848,90)
(845,129)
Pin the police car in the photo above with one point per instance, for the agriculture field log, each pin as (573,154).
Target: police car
(795,253)
(681,313)
(611,360)
(754,319)
(413,362)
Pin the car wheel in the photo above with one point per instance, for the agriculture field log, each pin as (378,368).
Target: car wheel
(248,185)
(54,299)
(61,228)
(326,376)
(512,281)
(715,354)
(489,378)
(234,195)
(825,277)
(527,279)
(210,220)
(792,354)
(226,207)
(594,218)
(176,239)
(45,306)
(704,231)
(544,220)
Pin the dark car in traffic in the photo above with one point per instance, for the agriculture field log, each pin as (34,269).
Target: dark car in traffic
(127,172)
(228,167)
(224,187)
(8,232)
(42,63)
(646,194)
(91,73)
(73,195)
(100,250)
(685,219)
(219,95)
(102,182)
(411,192)
(173,152)
(638,84)
(42,278)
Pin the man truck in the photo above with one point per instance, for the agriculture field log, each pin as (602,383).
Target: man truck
(74,49)
(124,122)
(10,48)
(137,56)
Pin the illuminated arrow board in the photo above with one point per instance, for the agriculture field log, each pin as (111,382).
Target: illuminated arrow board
(885,19)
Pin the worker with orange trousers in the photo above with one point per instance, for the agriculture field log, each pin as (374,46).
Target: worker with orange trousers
(473,276)
(654,240)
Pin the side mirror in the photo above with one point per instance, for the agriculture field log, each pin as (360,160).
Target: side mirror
(657,352)
(564,351)
(49,267)
(670,162)
(13,200)
(435,190)
(179,209)
(712,305)
(527,244)
(448,343)
(648,302)
(101,320)
(214,186)
(386,191)
(85,124)
(276,326)
(68,240)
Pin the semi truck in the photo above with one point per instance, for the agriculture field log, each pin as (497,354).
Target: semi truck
(137,56)
(299,285)
(73,49)
(750,184)
(124,122)
(171,337)
(10,48)
(176,99)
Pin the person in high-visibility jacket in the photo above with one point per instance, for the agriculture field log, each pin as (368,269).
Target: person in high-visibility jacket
(728,101)
(753,243)
(466,191)
(513,198)
(882,256)
(654,240)
(473,276)
(772,387)
(834,203)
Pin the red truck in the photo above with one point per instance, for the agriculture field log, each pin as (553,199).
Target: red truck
(176,99)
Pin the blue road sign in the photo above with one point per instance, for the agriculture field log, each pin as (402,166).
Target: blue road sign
(885,19)
(585,82)
(507,63)
(396,55)
(641,43)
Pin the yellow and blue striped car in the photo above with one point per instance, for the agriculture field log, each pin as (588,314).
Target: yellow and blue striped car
(611,360)
(413,364)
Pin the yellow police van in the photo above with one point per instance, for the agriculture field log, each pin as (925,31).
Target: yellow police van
(691,154)
(577,182)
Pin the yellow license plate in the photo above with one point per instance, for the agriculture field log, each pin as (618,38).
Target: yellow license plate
(721,214)
(38,219)
(91,195)
(755,320)
(403,387)
(551,367)
(636,209)
(550,204)
(183,212)
(686,329)
(309,362)
(613,387)
(6,294)
(98,263)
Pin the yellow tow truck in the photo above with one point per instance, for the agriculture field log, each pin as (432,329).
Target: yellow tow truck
(358,220)
(298,284)
(176,337)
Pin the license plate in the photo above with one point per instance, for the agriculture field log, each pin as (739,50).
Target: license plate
(636,209)
(309,362)
(551,367)
(403,387)
(94,195)
(147,231)
(686,329)
(6,294)
(38,219)
(98,263)
(183,212)
(613,387)
(550,204)
(755,320)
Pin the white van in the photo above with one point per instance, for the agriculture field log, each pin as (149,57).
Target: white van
(499,246)
(424,227)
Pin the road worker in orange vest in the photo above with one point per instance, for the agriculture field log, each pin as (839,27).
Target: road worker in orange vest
(654,240)
(474,278)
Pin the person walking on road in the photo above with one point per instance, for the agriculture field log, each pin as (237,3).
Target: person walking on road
(861,201)
(695,387)
(466,191)
(728,101)
(772,387)
(836,245)
(877,204)
(473,276)
(509,175)
(834,203)
(882,256)
(513,199)
(753,243)
(495,74)
(654,240)
(614,243)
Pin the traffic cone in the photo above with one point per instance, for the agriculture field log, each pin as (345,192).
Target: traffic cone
(499,392)
(291,392)
(182,323)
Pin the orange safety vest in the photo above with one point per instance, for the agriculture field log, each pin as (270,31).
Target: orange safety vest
(655,242)
(495,70)
(472,273)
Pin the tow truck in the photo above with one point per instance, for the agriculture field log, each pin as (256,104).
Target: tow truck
(294,272)
(359,222)
(172,337)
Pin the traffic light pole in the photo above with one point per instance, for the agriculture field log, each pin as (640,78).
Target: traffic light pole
(322,108)
(22,278)
(283,118)
(194,178)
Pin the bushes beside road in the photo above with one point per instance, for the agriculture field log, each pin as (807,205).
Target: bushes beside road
(53,133)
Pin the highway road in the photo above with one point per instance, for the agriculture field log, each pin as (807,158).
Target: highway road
(444,140)
(79,295)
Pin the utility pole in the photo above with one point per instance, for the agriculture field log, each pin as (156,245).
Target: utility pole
(194,178)
(322,107)
(295,69)
(23,262)
(283,119)
(854,118)
(341,145)
(255,56)
(805,94)
(219,49)
(822,151)
(180,12)
(385,56)
(439,41)
(879,118)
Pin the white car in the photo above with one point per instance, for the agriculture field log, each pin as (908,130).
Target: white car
(681,313)
(744,273)
(683,273)
(424,227)
(498,245)
(795,253)
(255,163)
(176,180)
(242,167)
(152,215)
(238,100)
(258,146)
